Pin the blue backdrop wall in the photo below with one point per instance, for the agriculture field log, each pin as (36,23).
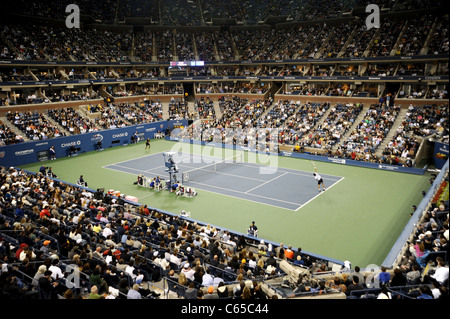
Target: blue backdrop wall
(31,152)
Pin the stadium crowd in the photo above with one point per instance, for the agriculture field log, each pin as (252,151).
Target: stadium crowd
(50,231)
(399,37)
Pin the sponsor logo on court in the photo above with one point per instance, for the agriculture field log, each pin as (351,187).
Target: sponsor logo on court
(120,135)
(75,143)
(25,152)
(337,160)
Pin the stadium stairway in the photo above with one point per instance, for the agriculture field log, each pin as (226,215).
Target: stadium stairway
(217,110)
(13,128)
(347,43)
(165,111)
(398,121)
(399,39)
(424,50)
(322,119)
(191,109)
(358,120)
(53,122)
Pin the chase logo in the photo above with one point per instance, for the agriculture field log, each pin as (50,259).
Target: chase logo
(120,135)
(77,143)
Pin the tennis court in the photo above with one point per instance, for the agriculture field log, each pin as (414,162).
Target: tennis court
(362,211)
(270,185)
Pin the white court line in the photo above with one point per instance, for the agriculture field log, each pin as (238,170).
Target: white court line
(270,180)
(136,158)
(120,171)
(235,191)
(253,165)
(222,194)
(157,167)
(124,167)
(319,194)
(226,174)
(290,171)
(208,185)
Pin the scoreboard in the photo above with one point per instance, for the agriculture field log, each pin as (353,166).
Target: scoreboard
(186,63)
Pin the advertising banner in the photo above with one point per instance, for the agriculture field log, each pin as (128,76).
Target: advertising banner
(30,152)
(440,154)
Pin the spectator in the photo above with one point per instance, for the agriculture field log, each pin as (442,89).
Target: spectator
(425,292)
(355,285)
(384,277)
(211,293)
(134,292)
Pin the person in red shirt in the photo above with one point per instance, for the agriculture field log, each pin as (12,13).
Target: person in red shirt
(45,212)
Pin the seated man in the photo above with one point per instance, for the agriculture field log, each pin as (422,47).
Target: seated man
(253,230)
(175,186)
(157,183)
(43,170)
(81,182)
(140,180)
(134,138)
(72,151)
(50,173)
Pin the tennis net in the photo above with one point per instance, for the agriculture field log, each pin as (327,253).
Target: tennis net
(210,169)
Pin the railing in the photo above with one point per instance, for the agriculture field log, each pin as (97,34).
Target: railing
(396,250)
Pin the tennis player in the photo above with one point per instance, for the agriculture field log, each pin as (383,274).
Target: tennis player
(319,179)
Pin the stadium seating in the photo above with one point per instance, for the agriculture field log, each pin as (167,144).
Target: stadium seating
(115,69)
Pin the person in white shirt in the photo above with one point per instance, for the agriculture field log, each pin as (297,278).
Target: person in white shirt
(435,290)
(107,231)
(56,271)
(441,273)
(319,179)
(130,269)
(174,258)
(163,262)
(188,272)
(207,279)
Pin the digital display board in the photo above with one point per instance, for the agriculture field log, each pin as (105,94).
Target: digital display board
(187,63)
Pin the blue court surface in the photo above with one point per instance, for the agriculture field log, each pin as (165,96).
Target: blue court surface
(270,185)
